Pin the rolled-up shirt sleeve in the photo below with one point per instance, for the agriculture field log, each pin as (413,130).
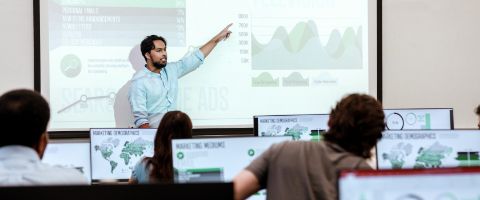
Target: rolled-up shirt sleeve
(138,102)
(189,62)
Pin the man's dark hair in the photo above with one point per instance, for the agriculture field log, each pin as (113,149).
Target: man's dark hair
(356,124)
(147,44)
(477,111)
(24,116)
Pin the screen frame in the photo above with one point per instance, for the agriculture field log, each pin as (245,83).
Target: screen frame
(76,141)
(76,133)
(91,162)
(452,124)
(376,150)
(255,120)
(402,172)
(239,138)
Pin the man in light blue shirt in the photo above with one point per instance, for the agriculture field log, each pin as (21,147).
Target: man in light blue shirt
(24,116)
(153,90)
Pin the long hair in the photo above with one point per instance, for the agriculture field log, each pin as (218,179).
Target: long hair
(356,124)
(174,124)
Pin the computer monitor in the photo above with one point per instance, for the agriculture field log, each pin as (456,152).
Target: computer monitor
(413,184)
(114,152)
(217,159)
(210,191)
(299,127)
(428,149)
(69,154)
(419,118)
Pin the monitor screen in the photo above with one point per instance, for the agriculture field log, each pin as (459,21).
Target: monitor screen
(299,127)
(419,118)
(415,184)
(114,152)
(217,159)
(428,149)
(311,52)
(69,154)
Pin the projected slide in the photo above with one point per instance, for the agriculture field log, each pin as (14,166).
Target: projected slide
(115,152)
(341,51)
(431,184)
(305,53)
(428,149)
(404,119)
(299,127)
(217,159)
(75,155)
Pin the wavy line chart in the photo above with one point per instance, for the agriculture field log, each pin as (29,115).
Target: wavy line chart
(302,49)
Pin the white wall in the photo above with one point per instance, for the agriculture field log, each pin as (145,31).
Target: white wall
(431,56)
(430,53)
(16,44)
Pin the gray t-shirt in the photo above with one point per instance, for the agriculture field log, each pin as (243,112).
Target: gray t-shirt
(303,169)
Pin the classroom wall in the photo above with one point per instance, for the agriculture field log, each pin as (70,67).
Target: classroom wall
(16,44)
(430,53)
(431,56)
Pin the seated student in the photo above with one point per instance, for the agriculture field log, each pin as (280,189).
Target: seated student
(159,168)
(308,170)
(477,111)
(24,116)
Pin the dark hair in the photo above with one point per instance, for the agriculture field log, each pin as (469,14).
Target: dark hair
(174,125)
(147,44)
(477,110)
(24,116)
(356,124)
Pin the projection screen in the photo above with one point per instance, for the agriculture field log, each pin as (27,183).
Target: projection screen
(283,57)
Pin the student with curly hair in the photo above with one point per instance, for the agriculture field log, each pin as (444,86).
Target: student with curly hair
(308,170)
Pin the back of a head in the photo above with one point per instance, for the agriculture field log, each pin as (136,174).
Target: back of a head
(174,125)
(356,124)
(24,116)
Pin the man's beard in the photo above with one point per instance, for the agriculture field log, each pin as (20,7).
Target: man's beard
(159,65)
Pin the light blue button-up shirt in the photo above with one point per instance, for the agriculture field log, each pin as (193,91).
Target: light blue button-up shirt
(21,165)
(151,94)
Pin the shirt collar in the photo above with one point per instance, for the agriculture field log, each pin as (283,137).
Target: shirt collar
(334,146)
(18,151)
(147,71)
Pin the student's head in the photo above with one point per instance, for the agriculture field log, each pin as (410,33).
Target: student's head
(174,125)
(154,50)
(477,111)
(24,116)
(356,124)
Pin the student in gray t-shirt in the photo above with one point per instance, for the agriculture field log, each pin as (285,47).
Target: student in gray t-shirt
(308,170)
